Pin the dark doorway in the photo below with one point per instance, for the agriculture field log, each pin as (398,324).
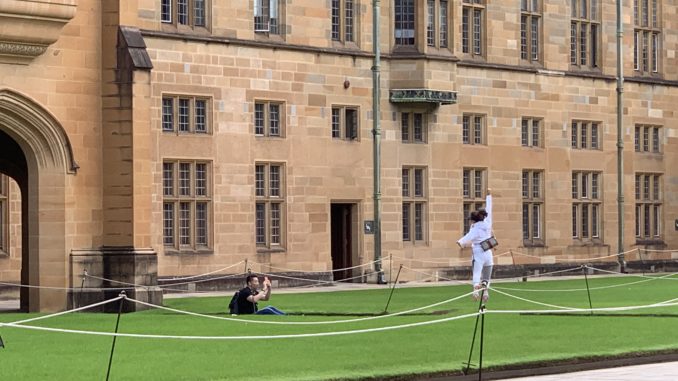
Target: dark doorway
(342,240)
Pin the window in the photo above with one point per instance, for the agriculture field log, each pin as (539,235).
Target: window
(530,19)
(474,189)
(269,190)
(472,27)
(648,139)
(4,214)
(343,20)
(413,127)
(185,114)
(266,16)
(586,205)
(586,135)
(404,27)
(533,206)
(531,132)
(437,23)
(191,13)
(414,203)
(345,123)
(268,119)
(646,41)
(585,34)
(186,204)
(648,206)
(473,129)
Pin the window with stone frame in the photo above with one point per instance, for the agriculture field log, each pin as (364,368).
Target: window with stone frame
(415,199)
(649,195)
(530,30)
(531,132)
(345,122)
(533,207)
(585,34)
(267,18)
(191,13)
(344,20)
(404,27)
(473,27)
(183,114)
(187,204)
(586,135)
(413,127)
(647,36)
(587,207)
(4,214)
(648,138)
(438,16)
(474,189)
(269,119)
(269,217)
(473,129)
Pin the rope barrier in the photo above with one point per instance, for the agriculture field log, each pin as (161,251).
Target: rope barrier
(321,272)
(66,312)
(209,273)
(532,301)
(667,276)
(300,322)
(668,303)
(266,337)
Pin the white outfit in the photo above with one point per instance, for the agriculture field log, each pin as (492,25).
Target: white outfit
(482,259)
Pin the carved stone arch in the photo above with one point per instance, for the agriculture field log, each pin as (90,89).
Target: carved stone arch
(38,129)
(36,152)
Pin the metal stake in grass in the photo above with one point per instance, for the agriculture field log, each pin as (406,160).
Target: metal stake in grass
(482,335)
(2,344)
(82,286)
(475,329)
(117,323)
(586,278)
(393,289)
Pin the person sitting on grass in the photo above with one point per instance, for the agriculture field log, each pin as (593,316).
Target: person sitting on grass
(249,297)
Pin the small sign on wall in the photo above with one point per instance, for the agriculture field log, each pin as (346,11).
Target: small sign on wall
(369,226)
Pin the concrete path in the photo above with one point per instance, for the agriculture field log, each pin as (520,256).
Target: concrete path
(649,372)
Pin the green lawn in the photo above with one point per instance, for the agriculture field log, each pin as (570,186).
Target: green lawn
(509,338)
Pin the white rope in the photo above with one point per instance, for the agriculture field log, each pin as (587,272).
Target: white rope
(204,280)
(666,276)
(267,337)
(531,301)
(209,273)
(115,281)
(47,287)
(299,322)
(579,289)
(668,303)
(67,311)
(439,277)
(449,262)
(320,272)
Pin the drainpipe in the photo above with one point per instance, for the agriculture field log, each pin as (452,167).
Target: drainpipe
(620,140)
(376,141)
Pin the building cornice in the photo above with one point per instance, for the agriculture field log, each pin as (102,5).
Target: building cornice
(27,28)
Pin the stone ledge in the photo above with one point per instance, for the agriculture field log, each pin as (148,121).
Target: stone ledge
(27,28)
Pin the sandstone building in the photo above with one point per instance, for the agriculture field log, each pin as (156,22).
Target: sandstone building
(157,138)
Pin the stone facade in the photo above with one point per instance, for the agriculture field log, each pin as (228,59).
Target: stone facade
(107,77)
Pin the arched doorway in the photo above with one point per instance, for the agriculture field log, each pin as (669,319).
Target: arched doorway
(35,152)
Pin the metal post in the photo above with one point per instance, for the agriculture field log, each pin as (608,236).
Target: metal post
(475,329)
(482,335)
(586,278)
(117,324)
(620,140)
(376,141)
(393,289)
(82,286)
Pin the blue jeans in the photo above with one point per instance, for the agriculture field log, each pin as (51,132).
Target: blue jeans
(269,310)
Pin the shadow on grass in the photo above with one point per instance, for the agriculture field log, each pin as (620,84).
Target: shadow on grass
(600,315)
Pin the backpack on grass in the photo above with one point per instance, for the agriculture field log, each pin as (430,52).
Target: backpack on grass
(233,304)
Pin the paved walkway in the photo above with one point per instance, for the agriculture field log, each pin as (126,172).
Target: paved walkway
(667,371)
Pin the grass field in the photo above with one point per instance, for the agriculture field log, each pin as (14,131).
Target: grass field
(510,338)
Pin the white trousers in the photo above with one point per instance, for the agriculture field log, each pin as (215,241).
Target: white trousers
(482,265)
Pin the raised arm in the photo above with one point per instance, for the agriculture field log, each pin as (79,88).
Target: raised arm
(488,209)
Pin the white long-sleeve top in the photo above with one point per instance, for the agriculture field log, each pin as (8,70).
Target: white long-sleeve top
(481,230)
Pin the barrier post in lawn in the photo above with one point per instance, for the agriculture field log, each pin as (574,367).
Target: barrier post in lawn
(475,330)
(482,335)
(390,263)
(117,324)
(586,278)
(2,344)
(393,289)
